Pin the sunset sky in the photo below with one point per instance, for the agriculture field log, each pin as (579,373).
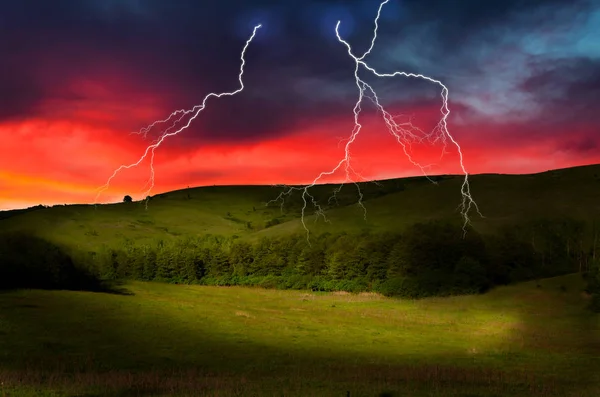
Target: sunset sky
(78,76)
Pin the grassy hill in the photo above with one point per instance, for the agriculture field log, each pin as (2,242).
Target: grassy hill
(525,339)
(162,339)
(391,206)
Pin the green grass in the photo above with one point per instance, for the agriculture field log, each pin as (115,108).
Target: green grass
(194,340)
(226,210)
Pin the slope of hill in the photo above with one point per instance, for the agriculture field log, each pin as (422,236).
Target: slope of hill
(391,205)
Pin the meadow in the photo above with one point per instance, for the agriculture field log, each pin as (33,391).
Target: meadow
(160,339)
(191,336)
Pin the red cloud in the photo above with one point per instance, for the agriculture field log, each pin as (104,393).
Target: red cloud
(64,160)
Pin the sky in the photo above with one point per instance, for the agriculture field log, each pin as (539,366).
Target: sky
(78,77)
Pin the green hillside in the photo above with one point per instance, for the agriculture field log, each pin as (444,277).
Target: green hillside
(391,206)
(475,329)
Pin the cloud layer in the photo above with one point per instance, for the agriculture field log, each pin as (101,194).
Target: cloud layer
(79,75)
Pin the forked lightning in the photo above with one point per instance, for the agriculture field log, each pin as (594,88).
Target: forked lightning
(405,133)
(168,132)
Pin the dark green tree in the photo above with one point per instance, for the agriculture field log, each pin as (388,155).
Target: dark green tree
(149,264)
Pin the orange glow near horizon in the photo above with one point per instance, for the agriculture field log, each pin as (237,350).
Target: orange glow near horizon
(65,162)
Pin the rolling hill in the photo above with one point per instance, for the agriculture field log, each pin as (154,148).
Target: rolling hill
(536,338)
(245,211)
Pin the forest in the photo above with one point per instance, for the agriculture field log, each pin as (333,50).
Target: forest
(432,258)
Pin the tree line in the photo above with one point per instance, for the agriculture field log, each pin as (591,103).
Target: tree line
(427,259)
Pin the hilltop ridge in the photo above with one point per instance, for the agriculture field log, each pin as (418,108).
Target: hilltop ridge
(391,205)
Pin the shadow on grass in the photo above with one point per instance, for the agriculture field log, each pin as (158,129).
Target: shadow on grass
(101,287)
(554,320)
(111,344)
(28,261)
(116,287)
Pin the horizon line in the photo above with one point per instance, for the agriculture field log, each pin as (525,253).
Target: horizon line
(322,184)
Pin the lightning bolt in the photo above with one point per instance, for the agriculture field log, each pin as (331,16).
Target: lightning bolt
(405,134)
(171,130)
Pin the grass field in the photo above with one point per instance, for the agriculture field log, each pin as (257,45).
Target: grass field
(227,210)
(160,339)
(208,341)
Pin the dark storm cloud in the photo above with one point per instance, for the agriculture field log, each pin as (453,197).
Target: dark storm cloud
(19,96)
(585,145)
(296,70)
(485,52)
(567,90)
